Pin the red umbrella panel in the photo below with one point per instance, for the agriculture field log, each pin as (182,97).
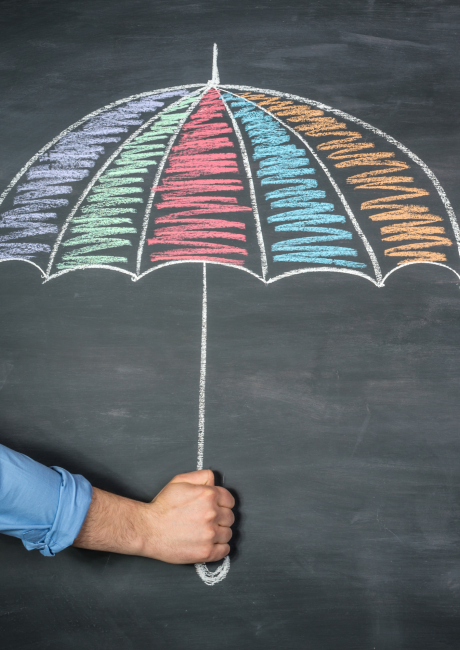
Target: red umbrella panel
(269,183)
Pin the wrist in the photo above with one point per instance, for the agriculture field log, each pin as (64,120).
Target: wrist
(140,516)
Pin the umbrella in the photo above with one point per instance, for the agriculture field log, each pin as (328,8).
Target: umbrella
(270,183)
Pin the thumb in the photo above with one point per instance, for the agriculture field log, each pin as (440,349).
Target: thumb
(200,477)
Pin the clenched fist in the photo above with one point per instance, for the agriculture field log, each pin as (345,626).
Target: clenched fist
(187,522)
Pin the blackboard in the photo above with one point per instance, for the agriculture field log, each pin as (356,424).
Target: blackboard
(331,404)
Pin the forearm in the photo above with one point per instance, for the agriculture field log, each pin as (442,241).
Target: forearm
(113,524)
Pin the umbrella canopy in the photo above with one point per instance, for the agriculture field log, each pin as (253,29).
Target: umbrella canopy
(269,183)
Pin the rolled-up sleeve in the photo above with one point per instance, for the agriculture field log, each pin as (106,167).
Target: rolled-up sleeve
(44,506)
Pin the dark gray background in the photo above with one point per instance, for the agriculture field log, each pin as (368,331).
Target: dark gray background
(332,406)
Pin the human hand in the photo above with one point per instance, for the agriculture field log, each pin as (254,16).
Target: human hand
(187,522)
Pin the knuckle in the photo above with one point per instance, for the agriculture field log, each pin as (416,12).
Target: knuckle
(199,491)
(209,515)
(206,495)
(210,493)
(219,552)
(209,534)
(208,474)
(207,553)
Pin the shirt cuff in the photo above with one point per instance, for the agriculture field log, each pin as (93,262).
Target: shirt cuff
(75,494)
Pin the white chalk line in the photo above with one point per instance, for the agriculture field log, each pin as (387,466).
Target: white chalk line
(148,209)
(136,278)
(397,268)
(440,190)
(52,142)
(252,192)
(21,259)
(357,227)
(215,71)
(96,177)
(209,577)
(172,262)
(86,267)
(325,269)
(202,394)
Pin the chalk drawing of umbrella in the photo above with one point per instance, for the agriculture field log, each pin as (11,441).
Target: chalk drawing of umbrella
(266,182)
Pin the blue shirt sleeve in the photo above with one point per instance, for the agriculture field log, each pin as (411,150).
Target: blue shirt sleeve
(44,506)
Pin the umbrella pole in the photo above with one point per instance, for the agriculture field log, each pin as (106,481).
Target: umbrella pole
(209,577)
(202,395)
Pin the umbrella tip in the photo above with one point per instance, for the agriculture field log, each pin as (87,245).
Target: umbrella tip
(215,70)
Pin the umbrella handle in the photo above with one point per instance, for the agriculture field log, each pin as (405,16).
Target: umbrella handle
(209,577)
(213,577)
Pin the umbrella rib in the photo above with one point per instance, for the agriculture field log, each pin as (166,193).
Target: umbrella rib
(52,142)
(357,227)
(161,165)
(95,178)
(433,178)
(252,192)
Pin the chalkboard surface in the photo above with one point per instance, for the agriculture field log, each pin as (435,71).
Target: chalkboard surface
(332,404)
